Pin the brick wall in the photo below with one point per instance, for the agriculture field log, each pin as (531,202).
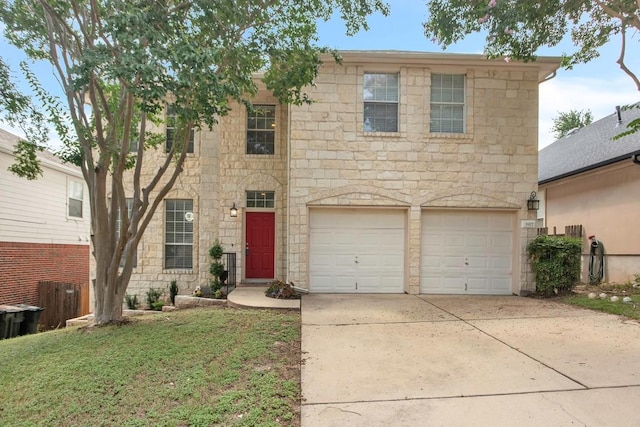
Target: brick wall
(23,265)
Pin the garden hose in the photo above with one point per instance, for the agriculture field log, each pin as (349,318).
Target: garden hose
(596,261)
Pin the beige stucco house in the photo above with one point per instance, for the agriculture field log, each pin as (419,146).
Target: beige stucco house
(589,179)
(408,174)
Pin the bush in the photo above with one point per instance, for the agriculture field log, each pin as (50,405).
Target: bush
(153,299)
(216,268)
(131,301)
(173,291)
(555,261)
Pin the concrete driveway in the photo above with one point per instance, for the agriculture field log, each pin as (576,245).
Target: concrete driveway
(406,360)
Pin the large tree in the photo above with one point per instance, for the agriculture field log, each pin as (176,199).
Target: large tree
(120,61)
(564,123)
(516,29)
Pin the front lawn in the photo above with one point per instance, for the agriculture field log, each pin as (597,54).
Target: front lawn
(197,367)
(630,310)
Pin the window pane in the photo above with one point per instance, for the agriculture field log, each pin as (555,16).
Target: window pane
(178,234)
(75,208)
(380,117)
(380,87)
(447,103)
(261,129)
(172,133)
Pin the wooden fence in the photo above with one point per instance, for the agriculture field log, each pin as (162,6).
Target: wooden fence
(569,230)
(61,302)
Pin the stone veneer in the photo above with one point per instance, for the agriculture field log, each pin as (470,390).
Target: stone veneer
(334,163)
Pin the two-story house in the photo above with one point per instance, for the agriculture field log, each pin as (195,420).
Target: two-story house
(44,227)
(410,172)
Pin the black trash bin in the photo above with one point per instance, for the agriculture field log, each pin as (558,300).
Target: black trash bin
(16,316)
(31,313)
(5,321)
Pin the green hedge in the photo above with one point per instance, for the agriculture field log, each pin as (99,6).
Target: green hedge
(555,261)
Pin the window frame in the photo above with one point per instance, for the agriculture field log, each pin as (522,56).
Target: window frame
(260,199)
(253,114)
(70,193)
(380,101)
(451,102)
(170,128)
(175,265)
(129,203)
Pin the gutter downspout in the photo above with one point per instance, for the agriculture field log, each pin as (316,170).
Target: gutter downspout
(549,77)
(288,254)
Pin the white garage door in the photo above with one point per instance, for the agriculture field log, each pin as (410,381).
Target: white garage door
(356,250)
(467,252)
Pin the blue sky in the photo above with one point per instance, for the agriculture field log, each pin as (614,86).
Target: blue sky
(598,86)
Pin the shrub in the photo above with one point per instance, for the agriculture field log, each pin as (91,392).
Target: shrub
(555,261)
(173,291)
(216,268)
(131,301)
(153,298)
(279,289)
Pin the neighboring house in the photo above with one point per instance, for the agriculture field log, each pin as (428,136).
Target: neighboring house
(44,227)
(590,179)
(410,172)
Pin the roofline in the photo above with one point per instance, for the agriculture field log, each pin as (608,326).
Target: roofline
(591,167)
(56,164)
(546,65)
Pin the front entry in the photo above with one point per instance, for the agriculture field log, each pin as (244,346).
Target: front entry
(260,245)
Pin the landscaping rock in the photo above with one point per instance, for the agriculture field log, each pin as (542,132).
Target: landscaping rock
(592,295)
(184,301)
(615,299)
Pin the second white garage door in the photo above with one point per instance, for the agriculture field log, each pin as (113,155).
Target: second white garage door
(467,252)
(356,250)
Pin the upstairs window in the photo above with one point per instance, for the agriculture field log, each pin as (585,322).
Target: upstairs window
(447,103)
(172,131)
(119,230)
(261,129)
(74,199)
(380,95)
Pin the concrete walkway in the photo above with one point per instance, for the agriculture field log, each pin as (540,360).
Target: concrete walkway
(403,360)
(254,297)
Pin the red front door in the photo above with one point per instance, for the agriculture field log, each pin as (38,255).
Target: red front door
(260,245)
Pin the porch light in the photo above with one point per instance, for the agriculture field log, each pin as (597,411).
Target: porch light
(234,211)
(533,203)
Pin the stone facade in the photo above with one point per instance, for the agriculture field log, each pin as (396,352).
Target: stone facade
(323,157)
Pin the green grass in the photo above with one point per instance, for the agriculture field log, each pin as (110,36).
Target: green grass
(628,310)
(187,368)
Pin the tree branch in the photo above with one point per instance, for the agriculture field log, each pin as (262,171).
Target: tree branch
(620,61)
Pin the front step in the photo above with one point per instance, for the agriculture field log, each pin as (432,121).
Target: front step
(255,283)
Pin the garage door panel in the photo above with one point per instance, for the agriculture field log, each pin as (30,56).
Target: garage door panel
(375,238)
(469,250)
(478,262)
(502,263)
(501,285)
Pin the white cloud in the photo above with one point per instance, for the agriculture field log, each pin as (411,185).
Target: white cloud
(600,95)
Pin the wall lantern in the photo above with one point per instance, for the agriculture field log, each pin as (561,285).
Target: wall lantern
(234,211)
(533,203)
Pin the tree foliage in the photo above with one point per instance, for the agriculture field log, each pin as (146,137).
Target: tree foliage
(573,119)
(120,61)
(516,29)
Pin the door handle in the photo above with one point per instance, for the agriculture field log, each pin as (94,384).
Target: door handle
(357,262)
(246,250)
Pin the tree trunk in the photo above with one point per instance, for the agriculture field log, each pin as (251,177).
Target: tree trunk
(108,304)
